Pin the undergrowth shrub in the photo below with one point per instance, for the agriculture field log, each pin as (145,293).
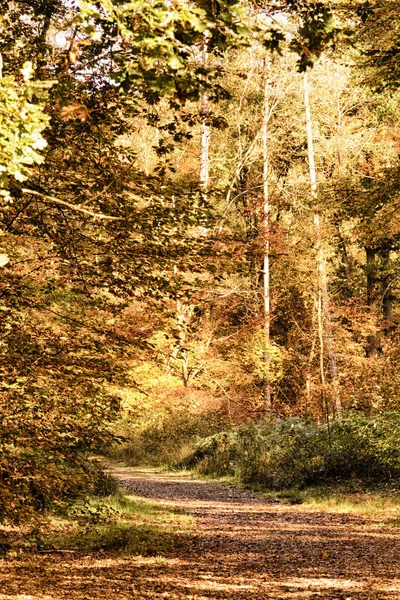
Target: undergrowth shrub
(165,441)
(104,483)
(294,453)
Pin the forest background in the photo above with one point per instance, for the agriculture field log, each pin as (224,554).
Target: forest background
(199,242)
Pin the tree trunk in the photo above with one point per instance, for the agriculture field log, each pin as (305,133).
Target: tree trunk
(371,349)
(205,129)
(310,361)
(387,293)
(183,316)
(371,275)
(325,332)
(346,263)
(265,228)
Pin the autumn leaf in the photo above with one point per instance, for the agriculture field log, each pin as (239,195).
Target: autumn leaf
(75,112)
(4,259)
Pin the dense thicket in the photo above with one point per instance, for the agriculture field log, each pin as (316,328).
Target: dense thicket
(293,453)
(129,283)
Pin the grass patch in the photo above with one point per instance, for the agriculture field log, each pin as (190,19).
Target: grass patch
(381,504)
(117,523)
(122,523)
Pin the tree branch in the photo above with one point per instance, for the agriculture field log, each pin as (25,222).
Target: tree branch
(76,207)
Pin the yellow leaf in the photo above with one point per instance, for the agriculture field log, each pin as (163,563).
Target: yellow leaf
(75,111)
(4,259)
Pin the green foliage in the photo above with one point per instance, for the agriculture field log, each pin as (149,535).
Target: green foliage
(22,122)
(105,484)
(280,454)
(316,33)
(379,39)
(254,351)
(159,41)
(160,45)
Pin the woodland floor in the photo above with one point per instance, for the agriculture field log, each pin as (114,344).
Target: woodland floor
(242,548)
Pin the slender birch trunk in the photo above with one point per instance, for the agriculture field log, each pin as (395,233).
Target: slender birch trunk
(311,359)
(387,293)
(325,333)
(183,311)
(205,129)
(265,227)
(372,338)
(183,317)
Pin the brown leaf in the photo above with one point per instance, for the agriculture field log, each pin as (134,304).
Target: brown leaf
(75,112)
(73,53)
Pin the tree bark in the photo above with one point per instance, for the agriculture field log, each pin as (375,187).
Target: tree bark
(183,316)
(265,227)
(204,173)
(371,349)
(325,333)
(371,275)
(346,262)
(387,293)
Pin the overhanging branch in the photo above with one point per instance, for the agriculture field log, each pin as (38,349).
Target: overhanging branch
(76,207)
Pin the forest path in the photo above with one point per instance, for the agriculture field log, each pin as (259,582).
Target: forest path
(248,548)
(243,548)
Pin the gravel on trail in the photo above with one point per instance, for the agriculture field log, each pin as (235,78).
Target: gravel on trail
(243,547)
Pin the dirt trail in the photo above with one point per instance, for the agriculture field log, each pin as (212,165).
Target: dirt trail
(243,548)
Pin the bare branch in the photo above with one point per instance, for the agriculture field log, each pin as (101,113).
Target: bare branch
(76,207)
